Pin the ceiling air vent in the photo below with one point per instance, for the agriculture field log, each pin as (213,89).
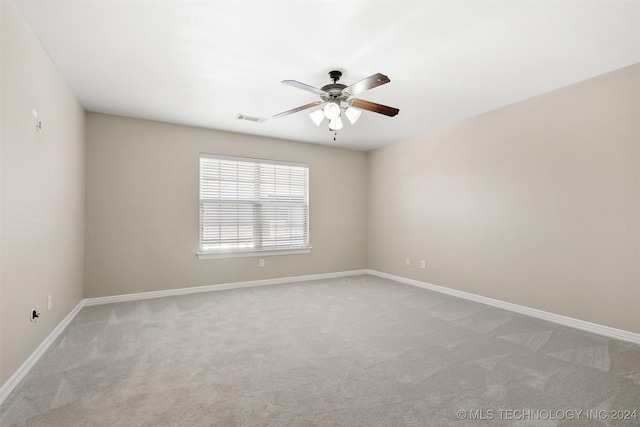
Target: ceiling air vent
(251,118)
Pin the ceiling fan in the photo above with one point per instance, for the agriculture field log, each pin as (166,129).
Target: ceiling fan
(336,98)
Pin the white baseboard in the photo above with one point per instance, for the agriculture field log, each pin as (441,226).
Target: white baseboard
(528,311)
(20,373)
(209,288)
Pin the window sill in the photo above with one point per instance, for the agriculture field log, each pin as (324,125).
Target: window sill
(246,254)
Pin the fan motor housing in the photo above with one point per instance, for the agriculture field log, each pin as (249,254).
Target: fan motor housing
(334,91)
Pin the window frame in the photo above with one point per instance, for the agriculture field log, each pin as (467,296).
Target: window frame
(257,204)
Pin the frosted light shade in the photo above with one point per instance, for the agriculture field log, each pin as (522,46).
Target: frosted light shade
(331,110)
(335,124)
(352,114)
(317,117)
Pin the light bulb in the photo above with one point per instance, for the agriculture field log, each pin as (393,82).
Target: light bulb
(331,110)
(352,114)
(317,117)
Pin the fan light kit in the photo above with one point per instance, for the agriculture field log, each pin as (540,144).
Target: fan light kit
(336,98)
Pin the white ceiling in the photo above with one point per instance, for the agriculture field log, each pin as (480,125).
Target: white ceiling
(202,62)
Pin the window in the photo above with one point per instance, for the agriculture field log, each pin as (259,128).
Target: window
(250,206)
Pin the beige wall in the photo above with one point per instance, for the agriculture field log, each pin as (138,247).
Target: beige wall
(142,207)
(537,203)
(42,225)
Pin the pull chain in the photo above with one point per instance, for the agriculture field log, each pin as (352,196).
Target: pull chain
(334,135)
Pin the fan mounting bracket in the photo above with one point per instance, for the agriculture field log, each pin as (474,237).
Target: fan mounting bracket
(335,75)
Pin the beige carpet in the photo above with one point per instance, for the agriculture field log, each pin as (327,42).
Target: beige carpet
(359,351)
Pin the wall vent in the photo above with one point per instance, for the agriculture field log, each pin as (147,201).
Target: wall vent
(251,118)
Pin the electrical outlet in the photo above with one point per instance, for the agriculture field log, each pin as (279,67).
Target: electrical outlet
(49,302)
(406,261)
(261,262)
(34,313)
(423,264)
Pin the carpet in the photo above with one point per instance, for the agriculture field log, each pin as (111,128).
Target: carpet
(355,351)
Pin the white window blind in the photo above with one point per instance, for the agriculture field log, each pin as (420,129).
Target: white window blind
(252,205)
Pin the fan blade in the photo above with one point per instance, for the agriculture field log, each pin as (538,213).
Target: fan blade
(303,86)
(376,108)
(366,84)
(295,110)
